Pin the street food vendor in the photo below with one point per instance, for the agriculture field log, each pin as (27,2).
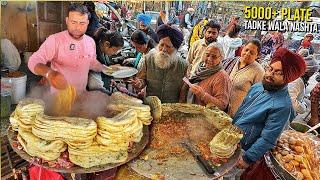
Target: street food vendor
(71,53)
(267,108)
(163,69)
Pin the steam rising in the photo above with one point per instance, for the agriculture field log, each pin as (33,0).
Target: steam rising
(87,105)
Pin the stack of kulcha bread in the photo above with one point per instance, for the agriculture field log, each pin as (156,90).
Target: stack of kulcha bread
(121,102)
(25,113)
(224,144)
(89,143)
(76,132)
(119,130)
(112,140)
(35,146)
(23,119)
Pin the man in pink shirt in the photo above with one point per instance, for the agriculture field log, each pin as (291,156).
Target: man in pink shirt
(71,53)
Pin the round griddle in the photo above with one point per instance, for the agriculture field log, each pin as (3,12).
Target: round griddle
(134,152)
(185,167)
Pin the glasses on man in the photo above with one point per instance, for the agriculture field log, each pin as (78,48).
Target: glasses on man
(274,72)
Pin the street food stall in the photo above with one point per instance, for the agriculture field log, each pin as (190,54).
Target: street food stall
(92,132)
(145,139)
(171,140)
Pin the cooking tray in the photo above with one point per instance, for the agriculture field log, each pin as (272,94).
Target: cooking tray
(181,167)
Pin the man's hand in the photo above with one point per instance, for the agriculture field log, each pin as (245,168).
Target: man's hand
(137,83)
(128,61)
(242,164)
(197,90)
(56,80)
(101,67)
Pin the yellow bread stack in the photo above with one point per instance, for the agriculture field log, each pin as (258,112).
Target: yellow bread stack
(89,143)
(76,132)
(112,140)
(118,131)
(25,113)
(121,102)
(224,144)
(95,155)
(34,146)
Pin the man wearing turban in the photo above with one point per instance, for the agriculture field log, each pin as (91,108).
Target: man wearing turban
(144,21)
(267,108)
(163,69)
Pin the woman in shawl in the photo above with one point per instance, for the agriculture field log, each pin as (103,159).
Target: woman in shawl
(210,84)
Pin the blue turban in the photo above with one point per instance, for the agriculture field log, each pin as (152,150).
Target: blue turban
(144,18)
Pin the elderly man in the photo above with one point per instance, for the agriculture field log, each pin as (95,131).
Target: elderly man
(144,21)
(267,108)
(163,70)
(71,53)
(211,32)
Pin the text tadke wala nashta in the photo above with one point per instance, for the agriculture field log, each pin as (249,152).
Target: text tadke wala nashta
(64,100)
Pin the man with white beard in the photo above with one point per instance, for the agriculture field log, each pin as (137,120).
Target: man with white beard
(163,69)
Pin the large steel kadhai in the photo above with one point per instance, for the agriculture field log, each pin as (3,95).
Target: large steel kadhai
(134,152)
(281,172)
(180,162)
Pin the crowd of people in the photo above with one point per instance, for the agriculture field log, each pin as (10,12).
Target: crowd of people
(222,70)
